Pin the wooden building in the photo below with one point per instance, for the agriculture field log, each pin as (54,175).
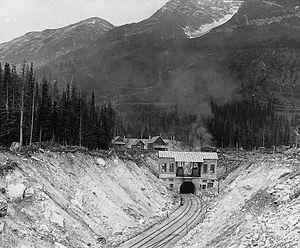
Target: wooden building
(118,142)
(153,144)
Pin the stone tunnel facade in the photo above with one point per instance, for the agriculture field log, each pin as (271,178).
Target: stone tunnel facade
(181,170)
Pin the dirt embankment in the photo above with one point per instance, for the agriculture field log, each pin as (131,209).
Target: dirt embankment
(65,199)
(258,206)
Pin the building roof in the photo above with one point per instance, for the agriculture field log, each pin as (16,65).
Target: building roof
(188,156)
(153,139)
(118,141)
(134,143)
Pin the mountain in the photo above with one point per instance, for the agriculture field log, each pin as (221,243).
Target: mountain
(179,19)
(259,20)
(260,48)
(43,47)
(244,74)
(153,61)
(131,61)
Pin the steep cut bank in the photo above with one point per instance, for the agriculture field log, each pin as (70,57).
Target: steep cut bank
(258,205)
(76,200)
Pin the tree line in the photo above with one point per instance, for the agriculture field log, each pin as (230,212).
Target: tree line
(251,123)
(32,111)
(144,120)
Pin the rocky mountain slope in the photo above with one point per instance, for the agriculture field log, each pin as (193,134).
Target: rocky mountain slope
(192,18)
(68,199)
(43,47)
(259,48)
(255,52)
(223,64)
(133,50)
(258,206)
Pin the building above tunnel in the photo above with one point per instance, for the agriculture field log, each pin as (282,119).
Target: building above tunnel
(199,168)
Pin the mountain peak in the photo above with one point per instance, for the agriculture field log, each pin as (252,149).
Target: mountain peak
(197,17)
(96,21)
(53,43)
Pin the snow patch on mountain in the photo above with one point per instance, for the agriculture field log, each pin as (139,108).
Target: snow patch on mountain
(91,22)
(192,32)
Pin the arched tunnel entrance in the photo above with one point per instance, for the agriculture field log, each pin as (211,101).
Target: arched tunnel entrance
(187,188)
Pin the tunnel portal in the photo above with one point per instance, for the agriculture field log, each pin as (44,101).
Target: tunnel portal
(187,188)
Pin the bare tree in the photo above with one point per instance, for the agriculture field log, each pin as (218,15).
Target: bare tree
(32,114)
(22,103)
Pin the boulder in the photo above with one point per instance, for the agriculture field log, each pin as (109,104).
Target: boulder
(101,162)
(16,190)
(59,245)
(57,219)
(15,147)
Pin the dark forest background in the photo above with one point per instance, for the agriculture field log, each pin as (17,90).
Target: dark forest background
(42,112)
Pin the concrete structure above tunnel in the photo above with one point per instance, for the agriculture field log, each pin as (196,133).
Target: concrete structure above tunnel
(180,169)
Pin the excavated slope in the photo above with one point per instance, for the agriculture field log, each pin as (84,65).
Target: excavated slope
(75,200)
(258,205)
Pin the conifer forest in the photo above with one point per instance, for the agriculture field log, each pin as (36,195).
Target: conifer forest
(32,111)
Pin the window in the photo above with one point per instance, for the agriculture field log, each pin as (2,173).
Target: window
(203,186)
(212,168)
(210,185)
(171,167)
(171,186)
(204,168)
(164,167)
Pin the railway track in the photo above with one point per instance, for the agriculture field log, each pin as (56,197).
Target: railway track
(170,231)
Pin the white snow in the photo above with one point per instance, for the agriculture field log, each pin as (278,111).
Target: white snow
(204,29)
(92,22)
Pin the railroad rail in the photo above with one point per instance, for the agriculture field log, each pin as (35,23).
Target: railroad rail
(170,231)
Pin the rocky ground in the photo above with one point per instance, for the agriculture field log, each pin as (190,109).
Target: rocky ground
(74,199)
(258,206)
(80,199)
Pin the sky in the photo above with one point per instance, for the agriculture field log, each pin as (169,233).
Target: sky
(18,17)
